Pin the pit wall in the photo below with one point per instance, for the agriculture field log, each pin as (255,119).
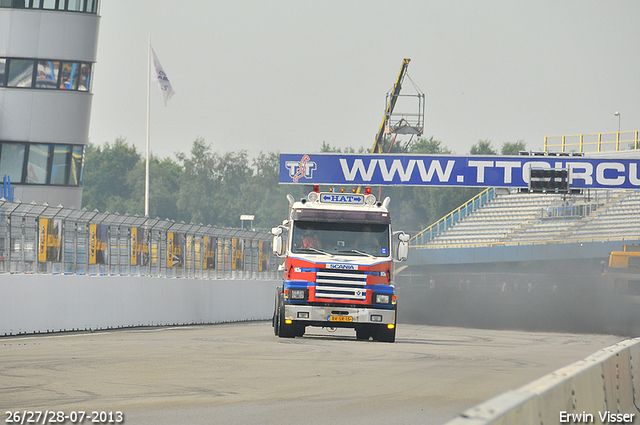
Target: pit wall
(31,303)
(607,381)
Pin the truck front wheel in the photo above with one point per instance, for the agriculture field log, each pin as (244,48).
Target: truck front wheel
(285,330)
(275,321)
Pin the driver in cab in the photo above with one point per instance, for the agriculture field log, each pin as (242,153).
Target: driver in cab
(310,240)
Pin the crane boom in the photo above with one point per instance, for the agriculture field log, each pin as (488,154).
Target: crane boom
(377,145)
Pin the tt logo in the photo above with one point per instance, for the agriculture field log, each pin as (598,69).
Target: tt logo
(303,168)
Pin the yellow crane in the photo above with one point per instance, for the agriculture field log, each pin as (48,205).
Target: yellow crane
(391,104)
(409,123)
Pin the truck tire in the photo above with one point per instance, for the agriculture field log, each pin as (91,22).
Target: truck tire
(285,330)
(275,321)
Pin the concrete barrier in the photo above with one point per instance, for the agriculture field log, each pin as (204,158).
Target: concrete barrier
(52,303)
(588,391)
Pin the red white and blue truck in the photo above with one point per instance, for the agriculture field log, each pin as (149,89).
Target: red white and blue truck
(339,253)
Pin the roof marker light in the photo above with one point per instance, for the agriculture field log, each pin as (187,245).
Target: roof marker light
(316,188)
(367,191)
(313,196)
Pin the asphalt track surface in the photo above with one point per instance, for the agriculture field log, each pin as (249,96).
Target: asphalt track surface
(243,374)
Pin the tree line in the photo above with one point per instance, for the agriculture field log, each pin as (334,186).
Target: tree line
(215,188)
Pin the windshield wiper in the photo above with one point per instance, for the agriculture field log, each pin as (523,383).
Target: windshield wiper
(316,250)
(360,252)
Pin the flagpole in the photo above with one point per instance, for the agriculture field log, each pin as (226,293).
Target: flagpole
(146,181)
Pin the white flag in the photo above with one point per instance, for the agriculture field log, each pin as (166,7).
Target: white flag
(162,79)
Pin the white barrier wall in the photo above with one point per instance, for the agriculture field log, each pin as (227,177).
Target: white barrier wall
(52,303)
(605,383)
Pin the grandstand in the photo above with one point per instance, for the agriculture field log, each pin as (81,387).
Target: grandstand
(513,217)
(512,259)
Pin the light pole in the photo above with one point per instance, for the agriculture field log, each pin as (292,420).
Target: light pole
(617,114)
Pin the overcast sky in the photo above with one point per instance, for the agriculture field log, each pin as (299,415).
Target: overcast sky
(287,75)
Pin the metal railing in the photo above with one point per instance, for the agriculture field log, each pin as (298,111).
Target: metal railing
(56,240)
(453,217)
(593,142)
(567,210)
(577,206)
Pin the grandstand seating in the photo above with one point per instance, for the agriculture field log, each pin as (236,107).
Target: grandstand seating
(524,218)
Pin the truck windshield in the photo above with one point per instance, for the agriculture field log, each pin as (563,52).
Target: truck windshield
(358,239)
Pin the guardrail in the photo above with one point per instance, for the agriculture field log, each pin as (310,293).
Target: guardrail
(57,240)
(602,388)
(453,217)
(593,142)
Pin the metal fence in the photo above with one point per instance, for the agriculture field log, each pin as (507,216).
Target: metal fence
(56,240)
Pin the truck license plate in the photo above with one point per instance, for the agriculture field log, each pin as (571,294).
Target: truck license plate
(340,318)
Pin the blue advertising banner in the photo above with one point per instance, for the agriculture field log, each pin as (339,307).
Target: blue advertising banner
(451,170)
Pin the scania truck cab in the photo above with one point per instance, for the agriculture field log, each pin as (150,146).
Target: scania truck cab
(339,251)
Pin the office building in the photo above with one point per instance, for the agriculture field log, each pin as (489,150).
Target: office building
(47,57)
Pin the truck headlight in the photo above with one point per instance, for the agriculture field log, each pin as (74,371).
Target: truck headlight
(298,294)
(382,299)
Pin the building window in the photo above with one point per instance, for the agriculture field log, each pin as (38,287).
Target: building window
(12,161)
(20,73)
(75,5)
(19,4)
(3,65)
(41,163)
(88,6)
(75,176)
(69,79)
(60,164)
(49,74)
(37,163)
(85,77)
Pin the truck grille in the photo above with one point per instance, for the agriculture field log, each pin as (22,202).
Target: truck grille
(341,284)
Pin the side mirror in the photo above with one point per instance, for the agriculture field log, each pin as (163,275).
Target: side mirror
(277,245)
(403,246)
